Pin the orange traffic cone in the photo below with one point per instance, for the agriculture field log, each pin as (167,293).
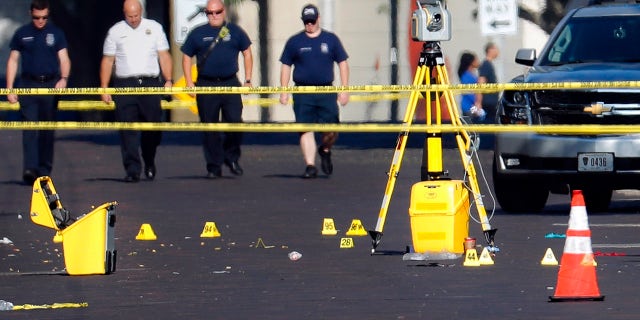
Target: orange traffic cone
(577,274)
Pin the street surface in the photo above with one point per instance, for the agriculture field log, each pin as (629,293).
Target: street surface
(183,276)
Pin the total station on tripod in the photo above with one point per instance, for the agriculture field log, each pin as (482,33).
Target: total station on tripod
(431,21)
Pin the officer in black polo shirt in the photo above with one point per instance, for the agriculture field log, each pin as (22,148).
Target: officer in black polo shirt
(42,49)
(217,45)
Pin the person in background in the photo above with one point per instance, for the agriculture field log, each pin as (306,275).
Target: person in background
(487,74)
(217,45)
(311,54)
(470,103)
(139,50)
(41,47)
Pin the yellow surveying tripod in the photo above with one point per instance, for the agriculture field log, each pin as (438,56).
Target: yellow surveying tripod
(431,60)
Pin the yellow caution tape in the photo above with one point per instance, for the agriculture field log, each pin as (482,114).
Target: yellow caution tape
(305,127)
(486,87)
(184,99)
(377,97)
(89,105)
(50,306)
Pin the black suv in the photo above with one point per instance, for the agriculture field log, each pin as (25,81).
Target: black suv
(594,43)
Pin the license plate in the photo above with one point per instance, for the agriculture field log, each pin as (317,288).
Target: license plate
(598,162)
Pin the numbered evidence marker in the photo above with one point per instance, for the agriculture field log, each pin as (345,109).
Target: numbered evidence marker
(471,258)
(346,243)
(356,228)
(485,257)
(146,233)
(329,227)
(210,230)
(549,258)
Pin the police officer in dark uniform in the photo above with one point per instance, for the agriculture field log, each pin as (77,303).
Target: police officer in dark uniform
(216,45)
(41,48)
(311,54)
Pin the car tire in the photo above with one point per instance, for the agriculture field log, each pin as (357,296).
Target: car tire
(518,196)
(597,200)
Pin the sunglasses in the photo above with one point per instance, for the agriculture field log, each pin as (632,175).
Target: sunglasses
(39,17)
(213,13)
(306,22)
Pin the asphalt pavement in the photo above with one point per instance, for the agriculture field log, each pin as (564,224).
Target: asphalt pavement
(235,276)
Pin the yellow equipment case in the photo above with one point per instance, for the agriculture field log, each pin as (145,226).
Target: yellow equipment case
(88,241)
(439,213)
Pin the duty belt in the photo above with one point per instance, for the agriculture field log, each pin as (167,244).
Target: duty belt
(216,79)
(140,79)
(40,78)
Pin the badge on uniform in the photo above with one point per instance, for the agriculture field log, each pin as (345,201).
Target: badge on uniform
(50,39)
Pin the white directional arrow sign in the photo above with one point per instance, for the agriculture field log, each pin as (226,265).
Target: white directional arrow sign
(187,14)
(498,17)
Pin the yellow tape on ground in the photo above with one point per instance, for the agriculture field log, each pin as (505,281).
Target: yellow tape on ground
(487,87)
(50,306)
(303,127)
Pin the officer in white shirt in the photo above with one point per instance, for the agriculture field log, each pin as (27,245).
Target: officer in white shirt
(139,50)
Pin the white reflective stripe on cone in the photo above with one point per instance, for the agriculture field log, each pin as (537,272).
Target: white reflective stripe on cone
(577,245)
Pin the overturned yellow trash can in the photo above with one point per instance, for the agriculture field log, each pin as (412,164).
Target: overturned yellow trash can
(87,241)
(439,214)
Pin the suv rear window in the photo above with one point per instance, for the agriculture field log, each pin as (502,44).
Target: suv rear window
(596,39)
